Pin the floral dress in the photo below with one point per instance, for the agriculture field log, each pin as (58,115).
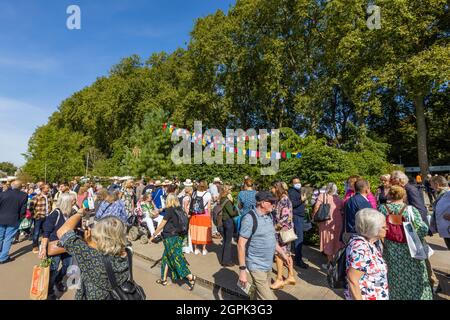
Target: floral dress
(283,220)
(408,277)
(128,198)
(367,258)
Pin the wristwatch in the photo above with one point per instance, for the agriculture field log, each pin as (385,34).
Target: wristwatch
(242,268)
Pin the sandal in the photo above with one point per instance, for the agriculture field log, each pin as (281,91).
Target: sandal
(162,282)
(192,282)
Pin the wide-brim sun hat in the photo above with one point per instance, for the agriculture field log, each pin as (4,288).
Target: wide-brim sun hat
(188,183)
(157,183)
(217,180)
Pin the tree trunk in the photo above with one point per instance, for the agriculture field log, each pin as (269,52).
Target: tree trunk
(421,135)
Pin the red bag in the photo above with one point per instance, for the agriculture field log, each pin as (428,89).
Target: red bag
(395,231)
(28,214)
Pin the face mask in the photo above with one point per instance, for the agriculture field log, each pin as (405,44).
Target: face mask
(297,186)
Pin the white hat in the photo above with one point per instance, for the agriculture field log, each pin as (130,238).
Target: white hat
(166,182)
(157,183)
(188,183)
(217,180)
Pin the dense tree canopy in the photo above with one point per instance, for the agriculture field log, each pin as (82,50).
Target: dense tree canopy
(349,98)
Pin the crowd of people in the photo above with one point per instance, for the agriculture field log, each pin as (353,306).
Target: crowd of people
(84,221)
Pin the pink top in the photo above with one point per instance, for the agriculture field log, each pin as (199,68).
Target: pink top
(370,197)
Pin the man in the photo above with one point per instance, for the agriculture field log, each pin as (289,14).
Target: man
(429,189)
(42,206)
(257,245)
(214,188)
(353,205)
(298,207)
(140,189)
(63,188)
(158,197)
(441,209)
(13,205)
(415,199)
(76,186)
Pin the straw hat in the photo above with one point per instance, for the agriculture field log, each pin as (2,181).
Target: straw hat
(166,182)
(157,183)
(217,180)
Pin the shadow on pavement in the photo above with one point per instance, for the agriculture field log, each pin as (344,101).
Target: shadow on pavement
(22,251)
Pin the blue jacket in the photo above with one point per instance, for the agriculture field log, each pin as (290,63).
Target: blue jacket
(52,223)
(415,199)
(13,205)
(297,204)
(352,206)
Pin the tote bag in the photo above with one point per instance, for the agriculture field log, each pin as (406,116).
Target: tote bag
(417,249)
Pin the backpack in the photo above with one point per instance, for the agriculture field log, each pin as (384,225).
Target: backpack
(183,222)
(129,290)
(337,270)
(394,222)
(217,215)
(197,205)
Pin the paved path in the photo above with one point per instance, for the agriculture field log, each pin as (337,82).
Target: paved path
(15,279)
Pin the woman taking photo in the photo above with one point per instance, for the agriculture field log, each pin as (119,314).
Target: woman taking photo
(283,222)
(173,260)
(106,238)
(367,277)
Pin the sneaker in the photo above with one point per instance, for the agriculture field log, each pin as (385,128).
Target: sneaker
(205,252)
(324,266)
(197,251)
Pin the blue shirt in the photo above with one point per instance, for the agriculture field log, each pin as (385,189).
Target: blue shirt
(156,196)
(261,246)
(116,209)
(248,200)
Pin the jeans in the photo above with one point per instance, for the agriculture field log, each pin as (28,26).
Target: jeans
(55,276)
(298,227)
(228,229)
(38,224)
(7,234)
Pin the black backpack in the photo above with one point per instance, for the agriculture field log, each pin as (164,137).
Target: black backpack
(218,214)
(337,270)
(183,222)
(197,206)
(129,290)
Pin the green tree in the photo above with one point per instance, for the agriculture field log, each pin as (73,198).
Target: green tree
(8,168)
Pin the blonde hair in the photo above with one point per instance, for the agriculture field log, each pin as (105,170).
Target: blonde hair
(396,193)
(109,234)
(188,190)
(172,201)
(386,177)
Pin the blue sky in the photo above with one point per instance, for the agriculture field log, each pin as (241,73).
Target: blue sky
(42,62)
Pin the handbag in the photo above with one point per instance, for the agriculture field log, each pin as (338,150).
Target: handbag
(323,214)
(417,249)
(288,236)
(129,290)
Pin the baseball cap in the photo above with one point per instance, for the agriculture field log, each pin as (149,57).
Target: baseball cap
(265,196)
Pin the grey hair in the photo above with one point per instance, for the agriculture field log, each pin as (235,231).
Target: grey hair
(386,176)
(401,176)
(331,189)
(64,203)
(16,184)
(109,234)
(368,222)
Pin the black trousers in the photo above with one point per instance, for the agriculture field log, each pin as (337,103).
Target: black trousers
(228,230)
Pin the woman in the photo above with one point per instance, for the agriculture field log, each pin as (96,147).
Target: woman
(106,238)
(112,206)
(185,201)
(200,227)
(246,197)
(351,191)
(128,197)
(441,208)
(228,212)
(330,230)
(99,198)
(147,210)
(408,277)
(367,277)
(52,223)
(383,189)
(82,195)
(283,221)
(173,260)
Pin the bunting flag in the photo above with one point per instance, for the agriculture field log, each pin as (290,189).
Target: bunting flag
(221,143)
